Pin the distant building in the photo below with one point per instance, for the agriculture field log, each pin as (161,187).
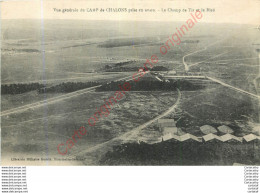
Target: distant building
(211,137)
(256,130)
(167,130)
(166,123)
(190,137)
(173,130)
(150,141)
(225,129)
(231,138)
(170,136)
(172,72)
(250,137)
(185,137)
(207,129)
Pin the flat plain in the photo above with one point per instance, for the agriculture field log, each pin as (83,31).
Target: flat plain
(79,52)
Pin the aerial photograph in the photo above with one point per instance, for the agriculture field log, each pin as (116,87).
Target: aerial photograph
(127,92)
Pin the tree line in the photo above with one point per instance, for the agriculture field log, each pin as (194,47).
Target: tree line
(151,85)
(20,88)
(64,87)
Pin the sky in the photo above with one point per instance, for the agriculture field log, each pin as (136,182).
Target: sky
(226,11)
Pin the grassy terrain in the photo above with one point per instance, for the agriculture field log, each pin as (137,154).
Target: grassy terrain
(183,153)
(63,118)
(76,56)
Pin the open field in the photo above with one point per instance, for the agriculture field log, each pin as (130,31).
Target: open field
(224,52)
(63,119)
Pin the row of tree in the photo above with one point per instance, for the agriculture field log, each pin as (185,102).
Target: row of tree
(20,88)
(151,85)
(109,68)
(64,87)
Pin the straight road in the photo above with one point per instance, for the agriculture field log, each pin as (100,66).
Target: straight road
(232,87)
(54,99)
(48,101)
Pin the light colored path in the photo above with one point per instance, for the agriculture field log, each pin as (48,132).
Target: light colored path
(232,87)
(217,81)
(48,101)
(186,66)
(235,59)
(199,77)
(208,59)
(49,80)
(170,110)
(53,100)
